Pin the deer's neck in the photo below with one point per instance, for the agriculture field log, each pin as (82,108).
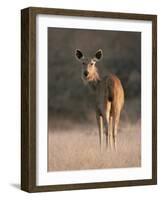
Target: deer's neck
(94,80)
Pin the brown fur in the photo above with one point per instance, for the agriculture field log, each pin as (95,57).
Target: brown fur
(109,96)
(109,103)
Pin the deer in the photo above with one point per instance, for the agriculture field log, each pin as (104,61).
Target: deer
(109,98)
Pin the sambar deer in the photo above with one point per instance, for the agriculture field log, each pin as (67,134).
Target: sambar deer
(109,96)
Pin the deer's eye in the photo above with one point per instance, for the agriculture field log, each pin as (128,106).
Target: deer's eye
(91,64)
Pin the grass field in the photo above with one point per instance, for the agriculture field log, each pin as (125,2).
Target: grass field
(76,147)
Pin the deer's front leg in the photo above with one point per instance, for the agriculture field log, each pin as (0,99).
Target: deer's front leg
(100,128)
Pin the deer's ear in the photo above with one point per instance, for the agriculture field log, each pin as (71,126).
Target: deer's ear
(78,54)
(98,55)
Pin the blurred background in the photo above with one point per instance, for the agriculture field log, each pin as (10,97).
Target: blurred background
(68,97)
(73,140)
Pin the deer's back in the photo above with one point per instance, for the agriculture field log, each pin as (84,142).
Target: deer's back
(110,89)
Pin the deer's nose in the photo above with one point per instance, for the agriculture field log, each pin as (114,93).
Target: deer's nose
(86,73)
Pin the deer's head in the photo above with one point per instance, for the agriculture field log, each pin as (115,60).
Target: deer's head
(89,69)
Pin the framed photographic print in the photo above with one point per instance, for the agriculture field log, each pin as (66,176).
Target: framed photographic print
(88,99)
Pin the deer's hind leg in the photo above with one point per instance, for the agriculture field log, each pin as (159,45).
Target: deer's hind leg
(110,132)
(109,122)
(116,118)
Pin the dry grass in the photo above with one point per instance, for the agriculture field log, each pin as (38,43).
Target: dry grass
(77,148)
